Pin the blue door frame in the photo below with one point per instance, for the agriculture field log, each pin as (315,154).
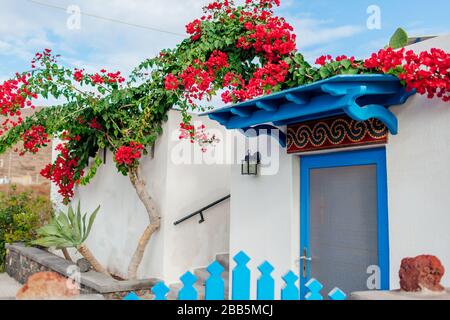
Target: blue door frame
(376,157)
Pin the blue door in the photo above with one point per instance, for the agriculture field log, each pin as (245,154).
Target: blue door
(344,220)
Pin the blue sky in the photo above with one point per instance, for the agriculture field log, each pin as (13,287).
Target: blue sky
(323,26)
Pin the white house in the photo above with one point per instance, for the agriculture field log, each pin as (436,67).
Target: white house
(363,182)
(353,177)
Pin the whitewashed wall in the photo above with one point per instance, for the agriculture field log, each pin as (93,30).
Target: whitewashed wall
(418,160)
(265,219)
(179,189)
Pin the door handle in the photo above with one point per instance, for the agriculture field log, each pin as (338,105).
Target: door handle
(305,260)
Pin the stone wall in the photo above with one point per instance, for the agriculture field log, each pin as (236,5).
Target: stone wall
(22,262)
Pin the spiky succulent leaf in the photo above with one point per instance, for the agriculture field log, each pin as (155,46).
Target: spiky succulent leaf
(66,230)
(79,215)
(48,230)
(84,226)
(74,223)
(53,241)
(91,221)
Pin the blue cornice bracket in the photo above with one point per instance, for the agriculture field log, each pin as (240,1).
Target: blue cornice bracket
(268,106)
(369,111)
(297,98)
(337,89)
(217,117)
(241,112)
(373,111)
(270,130)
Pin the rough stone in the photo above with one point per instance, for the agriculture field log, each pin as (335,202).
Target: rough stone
(421,273)
(84,265)
(46,285)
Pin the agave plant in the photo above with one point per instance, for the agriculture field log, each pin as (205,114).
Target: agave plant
(70,231)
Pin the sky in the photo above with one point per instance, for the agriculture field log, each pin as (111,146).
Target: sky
(322,26)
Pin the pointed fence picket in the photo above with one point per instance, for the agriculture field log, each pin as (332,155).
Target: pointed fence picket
(241,281)
(241,278)
(265,289)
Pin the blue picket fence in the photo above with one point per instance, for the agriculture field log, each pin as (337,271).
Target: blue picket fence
(215,286)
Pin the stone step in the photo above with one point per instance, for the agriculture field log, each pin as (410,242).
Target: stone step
(202,275)
(224,260)
(175,289)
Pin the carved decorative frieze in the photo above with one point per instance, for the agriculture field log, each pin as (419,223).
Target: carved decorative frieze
(335,132)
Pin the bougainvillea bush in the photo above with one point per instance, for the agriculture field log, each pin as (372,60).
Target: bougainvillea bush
(240,52)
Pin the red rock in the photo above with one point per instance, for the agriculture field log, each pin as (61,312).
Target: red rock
(422,272)
(47,285)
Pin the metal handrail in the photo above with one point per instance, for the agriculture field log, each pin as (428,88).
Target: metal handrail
(200,212)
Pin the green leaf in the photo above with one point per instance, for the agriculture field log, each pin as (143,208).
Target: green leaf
(91,221)
(78,215)
(63,221)
(346,63)
(399,39)
(48,230)
(324,73)
(51,241)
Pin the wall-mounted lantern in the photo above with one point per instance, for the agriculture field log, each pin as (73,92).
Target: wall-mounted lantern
(250,164)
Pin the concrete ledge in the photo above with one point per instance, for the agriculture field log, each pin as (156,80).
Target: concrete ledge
(399,295)
(25,259)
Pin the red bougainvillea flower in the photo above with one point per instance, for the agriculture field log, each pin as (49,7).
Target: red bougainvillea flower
(97,79)
(127,155)
(62,172)
(195,29)
(171,82)
(321,61)
(385,60)
(78,75)
(263,80)
(274,38)
(196,80)
(197,134)
(110,77)
(270,37)
(218,5)
(15,94)
(115,77)
(33,139)
(428,72)
(95,125)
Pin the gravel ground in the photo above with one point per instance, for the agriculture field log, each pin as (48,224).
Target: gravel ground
(8,286)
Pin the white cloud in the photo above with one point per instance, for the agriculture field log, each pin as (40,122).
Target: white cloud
(27,27)
(312,32)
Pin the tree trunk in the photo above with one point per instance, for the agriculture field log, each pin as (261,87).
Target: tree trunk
(66,254)
(87,254)
(154,218)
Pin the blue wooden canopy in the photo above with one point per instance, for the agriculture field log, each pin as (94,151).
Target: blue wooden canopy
(361,97)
